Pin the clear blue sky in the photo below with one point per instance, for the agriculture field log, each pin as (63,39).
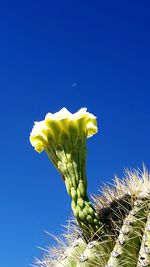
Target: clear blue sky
(93,54)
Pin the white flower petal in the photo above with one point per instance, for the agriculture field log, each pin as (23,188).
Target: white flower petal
(79,114)
(62,114)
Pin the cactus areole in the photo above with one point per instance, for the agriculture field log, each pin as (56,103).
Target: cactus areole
(116,233)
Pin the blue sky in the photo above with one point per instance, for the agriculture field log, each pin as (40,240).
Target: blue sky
(93,54)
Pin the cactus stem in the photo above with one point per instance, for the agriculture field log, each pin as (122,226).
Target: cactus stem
(144,253)
(127,245)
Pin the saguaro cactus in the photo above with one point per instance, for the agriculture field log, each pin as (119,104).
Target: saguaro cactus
(116,230)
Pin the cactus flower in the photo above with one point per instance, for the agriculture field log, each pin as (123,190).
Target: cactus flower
(63,136)
(49,131)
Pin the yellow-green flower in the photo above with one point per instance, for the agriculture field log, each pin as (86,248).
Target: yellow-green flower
(49,132)
(63,136)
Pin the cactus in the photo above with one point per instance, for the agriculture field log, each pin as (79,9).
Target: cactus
(115,230)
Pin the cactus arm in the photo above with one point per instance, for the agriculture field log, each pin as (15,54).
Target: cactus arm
(144,253)
(127,245)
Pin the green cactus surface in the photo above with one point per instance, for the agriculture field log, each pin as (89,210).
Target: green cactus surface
(124,213)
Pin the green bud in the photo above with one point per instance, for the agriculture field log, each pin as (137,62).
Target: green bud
(81,188)
(91,211)
(60,152)
(96,215)
(82,215)
(89,219)
(73,204)
(62,168)
(81,203)
(86,210)
(71,173)
(73,194)
(68,186)
(96,222)
(76,212)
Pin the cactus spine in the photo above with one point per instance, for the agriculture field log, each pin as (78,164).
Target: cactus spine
(114,233)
